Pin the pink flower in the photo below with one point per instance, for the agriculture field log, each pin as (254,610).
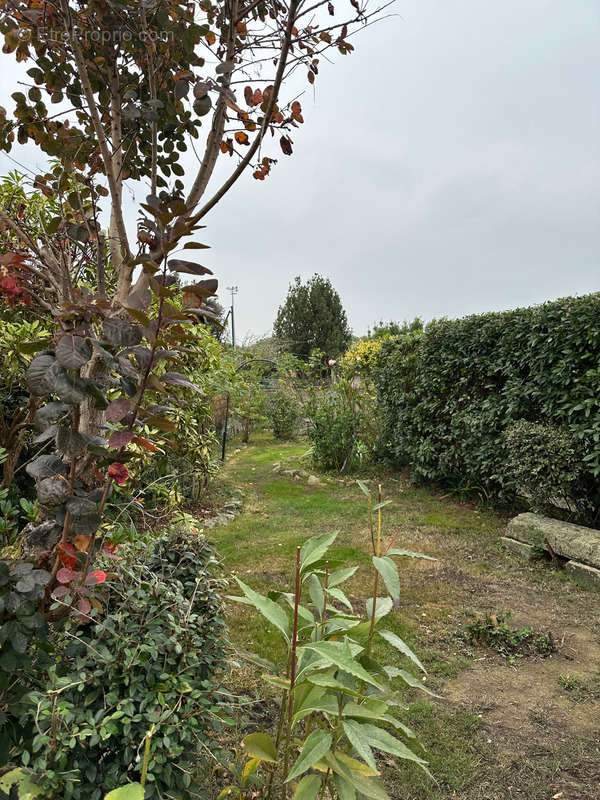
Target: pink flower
(332,362)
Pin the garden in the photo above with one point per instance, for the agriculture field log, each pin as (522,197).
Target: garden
(275,570)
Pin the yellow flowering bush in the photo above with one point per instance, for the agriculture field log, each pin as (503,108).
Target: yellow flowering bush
(361,358)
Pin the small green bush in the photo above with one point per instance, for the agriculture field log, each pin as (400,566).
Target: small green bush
(333,431)
(145,667)
(546,464)
(340,427)
(283,411)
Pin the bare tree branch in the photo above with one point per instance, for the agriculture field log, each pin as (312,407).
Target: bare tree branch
(285,47)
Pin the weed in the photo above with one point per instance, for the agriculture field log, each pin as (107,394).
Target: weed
(580,690)
(494,631)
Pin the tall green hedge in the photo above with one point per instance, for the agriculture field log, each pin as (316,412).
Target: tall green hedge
(447,397)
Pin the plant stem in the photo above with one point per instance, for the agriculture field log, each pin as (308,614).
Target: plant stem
(376,578)
(371,529)
(379,501)
(324,787)
(288,732)
(324,615)
(146,760)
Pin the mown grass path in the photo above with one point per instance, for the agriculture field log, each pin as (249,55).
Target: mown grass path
(527,730)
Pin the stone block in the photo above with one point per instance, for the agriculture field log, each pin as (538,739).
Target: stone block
(516,547)
(583,572)
(567,540)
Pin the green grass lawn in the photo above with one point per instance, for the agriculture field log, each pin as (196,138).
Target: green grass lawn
(470,752)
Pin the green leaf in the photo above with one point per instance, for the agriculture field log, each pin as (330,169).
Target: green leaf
(359,742)
(398,551)
(133,791)
(27,789)
(314,748)
(345,789)
(340,575)
(383,606)
(364,488)
(260,745)
(389,573)
(371,709)
(397,642)
(270,610)
(410,680)
(275,680)
(369,787)
(315,591)
(338,595)
(33,347)
(339,653)
(381,505)
(308,788)
(354,765)
(315,702)
(314,549)
(382,740)
(327,681)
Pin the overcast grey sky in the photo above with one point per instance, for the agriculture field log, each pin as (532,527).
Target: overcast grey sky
(450,166)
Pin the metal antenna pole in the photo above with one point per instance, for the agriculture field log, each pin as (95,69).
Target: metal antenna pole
(234,291)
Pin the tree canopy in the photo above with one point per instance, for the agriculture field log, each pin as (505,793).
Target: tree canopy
(312,317)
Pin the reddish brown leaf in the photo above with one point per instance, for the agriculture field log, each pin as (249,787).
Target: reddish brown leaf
(95,577)
(65,575)
(67,554)
(145,443)
(120,439)
(84,606)
(118,472)
(241,137)
(82,543)
(286,145)
(117,410)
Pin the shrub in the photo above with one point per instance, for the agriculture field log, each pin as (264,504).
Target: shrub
(547,466)
(361,358)
(448,395)
(338,427)
(283,411)
(23,634)
(144,669)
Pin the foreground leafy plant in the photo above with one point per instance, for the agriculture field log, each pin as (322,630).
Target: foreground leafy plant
(130,697)
(337,703)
